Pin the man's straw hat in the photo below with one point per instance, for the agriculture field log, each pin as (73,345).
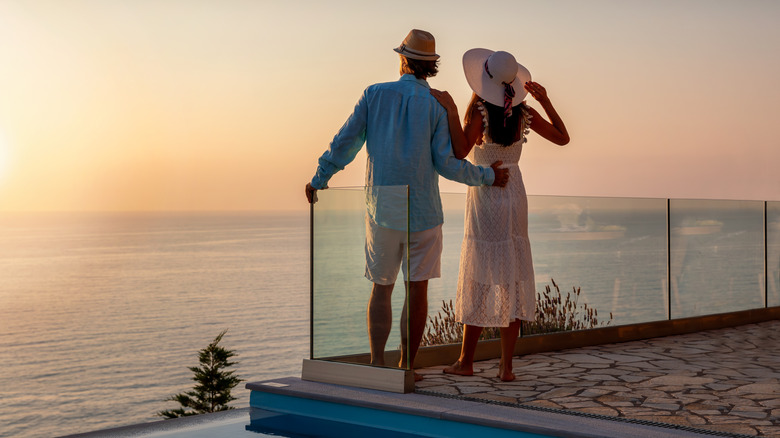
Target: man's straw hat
(419,44)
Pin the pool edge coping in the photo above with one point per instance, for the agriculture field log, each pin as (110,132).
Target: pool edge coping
(468,411)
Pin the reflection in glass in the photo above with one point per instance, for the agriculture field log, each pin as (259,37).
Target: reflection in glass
(773,253)
(612,249)
(717,256)
(442,327)
(341,290)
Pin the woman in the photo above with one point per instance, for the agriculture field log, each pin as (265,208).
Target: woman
(496,286)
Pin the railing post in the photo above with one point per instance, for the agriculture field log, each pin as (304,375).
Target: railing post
(668,259)
(766,257)
(311,280)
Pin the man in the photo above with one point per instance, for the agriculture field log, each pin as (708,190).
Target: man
(408,143)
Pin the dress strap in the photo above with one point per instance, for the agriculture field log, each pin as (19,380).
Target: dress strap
(525,122)
(485,136)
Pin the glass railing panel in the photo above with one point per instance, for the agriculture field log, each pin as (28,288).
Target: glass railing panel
(340,289)
(612,250)
(442,327)
(773,253)
(717,256)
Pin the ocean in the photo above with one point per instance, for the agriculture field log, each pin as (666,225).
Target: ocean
(101,314)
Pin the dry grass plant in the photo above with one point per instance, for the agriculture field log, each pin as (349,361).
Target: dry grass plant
(554,313)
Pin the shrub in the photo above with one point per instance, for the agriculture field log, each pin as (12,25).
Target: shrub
(214,384)
(554,313)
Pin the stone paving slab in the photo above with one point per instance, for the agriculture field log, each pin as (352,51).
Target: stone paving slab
(724,380)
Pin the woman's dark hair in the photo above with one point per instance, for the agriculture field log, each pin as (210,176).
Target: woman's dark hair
(420,69)
(501,134)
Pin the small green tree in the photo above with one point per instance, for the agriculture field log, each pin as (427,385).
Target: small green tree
(214,383)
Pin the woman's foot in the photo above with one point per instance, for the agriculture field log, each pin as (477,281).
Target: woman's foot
(504,372)
(459,369)
(506,375)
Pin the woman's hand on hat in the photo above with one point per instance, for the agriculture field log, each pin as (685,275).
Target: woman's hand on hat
(445,100)
(537,91)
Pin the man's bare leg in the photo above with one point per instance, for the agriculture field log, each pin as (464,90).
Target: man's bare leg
(410,342)
(379,316)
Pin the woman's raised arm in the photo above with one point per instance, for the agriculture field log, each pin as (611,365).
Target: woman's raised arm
(554,130)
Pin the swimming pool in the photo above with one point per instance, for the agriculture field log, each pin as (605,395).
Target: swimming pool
(328,406)
(325,419)
(257,423)
(293,408)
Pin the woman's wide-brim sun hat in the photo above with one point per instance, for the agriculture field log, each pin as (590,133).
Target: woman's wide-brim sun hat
(418,44)
(487,72)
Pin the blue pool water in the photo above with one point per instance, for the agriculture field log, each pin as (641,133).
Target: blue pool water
(324,419)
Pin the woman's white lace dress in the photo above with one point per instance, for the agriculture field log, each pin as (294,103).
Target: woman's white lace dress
(496,277)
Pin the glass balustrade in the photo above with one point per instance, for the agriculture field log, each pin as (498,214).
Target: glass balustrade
(716,256)
(442,327)
(631,260)
(340,290)
(773,253)
(612,249)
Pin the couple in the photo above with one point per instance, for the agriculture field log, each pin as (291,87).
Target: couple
(413,134)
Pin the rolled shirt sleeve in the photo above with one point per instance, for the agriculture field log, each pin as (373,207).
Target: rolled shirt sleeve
(345,146)
(452,168)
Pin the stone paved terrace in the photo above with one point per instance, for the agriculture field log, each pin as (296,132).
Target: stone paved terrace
(725,380)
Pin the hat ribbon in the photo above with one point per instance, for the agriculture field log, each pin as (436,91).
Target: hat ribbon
(509,94)
(405,48)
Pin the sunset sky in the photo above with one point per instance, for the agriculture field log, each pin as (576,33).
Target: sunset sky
(226,105)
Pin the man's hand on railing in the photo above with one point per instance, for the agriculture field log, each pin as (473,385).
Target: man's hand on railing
(502,174)
(311,193)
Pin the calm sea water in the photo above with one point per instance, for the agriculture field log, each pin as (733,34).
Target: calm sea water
(101,314)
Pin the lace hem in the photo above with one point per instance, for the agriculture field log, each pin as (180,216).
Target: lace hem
(486,305)
(502,262)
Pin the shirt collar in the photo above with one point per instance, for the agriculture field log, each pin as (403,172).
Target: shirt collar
(411,77)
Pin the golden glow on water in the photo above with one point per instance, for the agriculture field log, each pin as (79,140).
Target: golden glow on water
(103,313)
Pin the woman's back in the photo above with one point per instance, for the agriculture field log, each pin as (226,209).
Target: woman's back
(488,152)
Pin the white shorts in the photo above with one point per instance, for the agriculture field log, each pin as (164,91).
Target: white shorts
(386,251)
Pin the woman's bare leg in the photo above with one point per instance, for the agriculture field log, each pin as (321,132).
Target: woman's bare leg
(508,341)
(465,364)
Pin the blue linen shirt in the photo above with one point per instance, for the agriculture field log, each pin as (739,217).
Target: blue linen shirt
(408,143)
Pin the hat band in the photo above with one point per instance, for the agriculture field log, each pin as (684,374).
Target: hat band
(415,52)
(509,93)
